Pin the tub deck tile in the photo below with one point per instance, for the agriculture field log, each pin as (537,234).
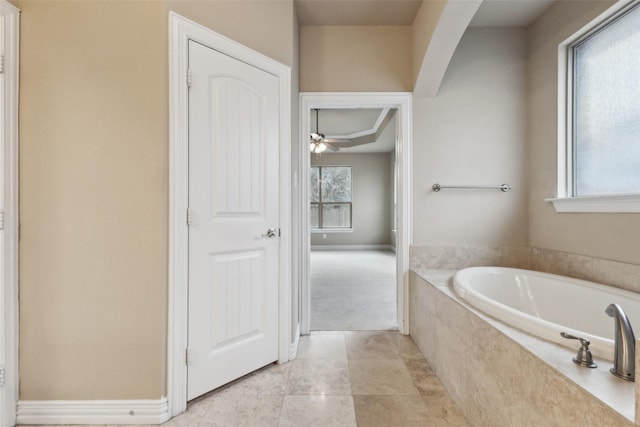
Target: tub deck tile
(513,378)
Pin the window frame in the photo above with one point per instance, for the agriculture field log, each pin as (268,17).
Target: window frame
(566,201)
(319,203)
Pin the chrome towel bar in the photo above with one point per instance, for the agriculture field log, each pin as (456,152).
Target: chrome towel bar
(503,187)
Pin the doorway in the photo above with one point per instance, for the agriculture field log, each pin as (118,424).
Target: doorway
(352,220)
(399,104)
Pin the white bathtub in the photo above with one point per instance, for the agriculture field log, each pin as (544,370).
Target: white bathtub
(545,304)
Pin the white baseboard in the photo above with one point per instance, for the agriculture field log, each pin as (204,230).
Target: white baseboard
(293,347)
(350,247)
(92,411)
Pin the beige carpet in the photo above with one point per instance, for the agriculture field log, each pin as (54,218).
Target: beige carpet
(353,290)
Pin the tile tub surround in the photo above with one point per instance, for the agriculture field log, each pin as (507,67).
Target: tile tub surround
(613,273)
(498,375)
(458,257)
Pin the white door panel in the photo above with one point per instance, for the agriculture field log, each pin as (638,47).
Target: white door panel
(233,199)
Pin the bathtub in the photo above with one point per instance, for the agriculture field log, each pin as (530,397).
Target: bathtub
(544,304)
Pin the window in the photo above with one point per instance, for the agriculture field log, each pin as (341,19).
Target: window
(330,197)
(603,115)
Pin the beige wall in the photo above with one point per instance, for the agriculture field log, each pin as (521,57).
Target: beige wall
(94,196)
(367,58)
(265,26)
(353,59)
(93,143)
(473,132)
(371,212)
(610,236)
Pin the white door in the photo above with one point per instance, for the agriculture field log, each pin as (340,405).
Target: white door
(233,202)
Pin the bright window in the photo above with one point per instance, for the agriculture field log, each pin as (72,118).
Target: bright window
(606,109)
(599,125)
(330,197)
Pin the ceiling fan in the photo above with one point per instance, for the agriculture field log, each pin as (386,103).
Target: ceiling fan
(319,143)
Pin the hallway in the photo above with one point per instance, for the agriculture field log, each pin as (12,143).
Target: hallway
(339,379)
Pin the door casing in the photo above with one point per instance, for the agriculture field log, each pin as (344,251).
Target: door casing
(402,102)
(181,30)
(10,28)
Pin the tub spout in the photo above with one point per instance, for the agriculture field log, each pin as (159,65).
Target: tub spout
(625,345)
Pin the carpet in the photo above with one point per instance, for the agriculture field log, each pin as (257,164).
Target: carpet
(353,290)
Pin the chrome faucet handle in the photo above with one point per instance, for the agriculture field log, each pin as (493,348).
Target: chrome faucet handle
(583,341)
(584,357)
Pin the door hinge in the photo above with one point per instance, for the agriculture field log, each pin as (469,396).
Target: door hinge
(187,356)
(188,216)
(1,64)
(2,376)
(1,220)
(189,77)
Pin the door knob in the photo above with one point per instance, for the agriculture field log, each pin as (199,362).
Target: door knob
(272,232)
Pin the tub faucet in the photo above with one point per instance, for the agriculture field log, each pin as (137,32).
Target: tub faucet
(625,345)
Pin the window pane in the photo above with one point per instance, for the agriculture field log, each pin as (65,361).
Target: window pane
(607,109)
(313,216)
(336,215)
(336,184)
(314,184)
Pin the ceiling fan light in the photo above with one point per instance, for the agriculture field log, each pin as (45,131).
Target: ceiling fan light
(317,147)
(317,144)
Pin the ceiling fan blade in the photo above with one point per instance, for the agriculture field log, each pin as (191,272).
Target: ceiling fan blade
(337,140)
(361,140)
(331,147)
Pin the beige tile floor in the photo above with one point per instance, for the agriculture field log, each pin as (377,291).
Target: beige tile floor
(339,379)
(342,379)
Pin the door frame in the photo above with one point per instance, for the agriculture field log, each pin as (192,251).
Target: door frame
(402,102)
(181,30)
(9,211)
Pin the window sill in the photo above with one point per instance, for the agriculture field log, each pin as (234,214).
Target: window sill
(619,203)
(331,230)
